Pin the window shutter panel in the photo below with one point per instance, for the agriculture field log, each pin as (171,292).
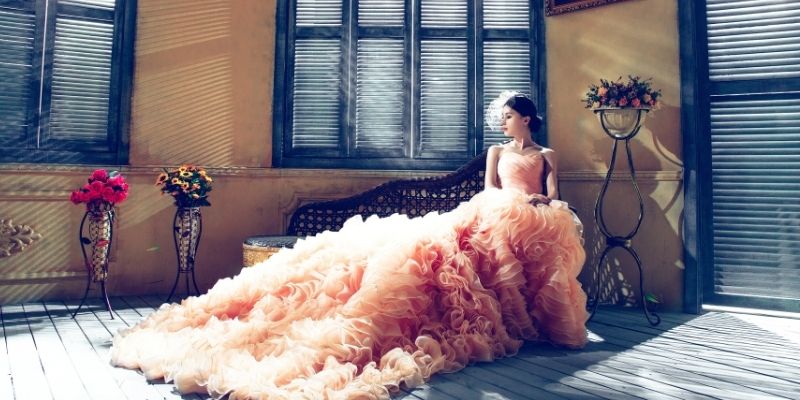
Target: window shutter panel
(505,14)
(755,145)
(99,4)
(81,79)
(444,13)
(380,99)
(17,30)
(506,66)
(315,106)
(381,13)
(753,40)
(319,13)
(443,96)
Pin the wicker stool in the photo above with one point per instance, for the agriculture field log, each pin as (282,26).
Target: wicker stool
(259,248)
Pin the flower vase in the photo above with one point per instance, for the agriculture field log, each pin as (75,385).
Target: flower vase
(187,230)
(621,123)
(99,235)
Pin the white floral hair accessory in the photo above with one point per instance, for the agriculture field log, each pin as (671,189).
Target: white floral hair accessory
(494,112)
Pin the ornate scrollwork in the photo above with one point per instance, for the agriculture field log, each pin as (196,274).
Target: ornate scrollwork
(15,238)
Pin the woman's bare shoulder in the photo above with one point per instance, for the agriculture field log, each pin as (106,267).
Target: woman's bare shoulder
(547,150)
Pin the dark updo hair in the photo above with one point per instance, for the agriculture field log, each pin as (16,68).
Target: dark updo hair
(525,107)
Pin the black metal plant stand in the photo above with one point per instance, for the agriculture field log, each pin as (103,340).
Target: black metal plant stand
(620,241)
(187,228)
(100,236)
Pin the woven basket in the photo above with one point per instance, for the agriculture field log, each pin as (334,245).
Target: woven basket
(255,254)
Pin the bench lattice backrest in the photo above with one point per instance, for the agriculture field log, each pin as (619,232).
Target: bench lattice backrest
(413,197)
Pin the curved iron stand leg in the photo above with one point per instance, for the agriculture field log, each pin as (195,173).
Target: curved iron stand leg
(85,294)
(624,242)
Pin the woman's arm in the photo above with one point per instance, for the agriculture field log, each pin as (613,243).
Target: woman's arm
(490,175)
(551,171)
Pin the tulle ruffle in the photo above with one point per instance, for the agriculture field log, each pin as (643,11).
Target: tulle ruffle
(383,302)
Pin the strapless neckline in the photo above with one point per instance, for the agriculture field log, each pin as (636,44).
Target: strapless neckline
(522,173)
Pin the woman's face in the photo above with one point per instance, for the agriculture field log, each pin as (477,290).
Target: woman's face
(514,124)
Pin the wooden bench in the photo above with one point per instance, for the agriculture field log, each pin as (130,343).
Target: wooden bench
(413,197)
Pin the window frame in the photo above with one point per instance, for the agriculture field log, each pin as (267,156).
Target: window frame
(282,97)
(37,147)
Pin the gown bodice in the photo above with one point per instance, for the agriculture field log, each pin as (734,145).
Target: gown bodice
(522,172)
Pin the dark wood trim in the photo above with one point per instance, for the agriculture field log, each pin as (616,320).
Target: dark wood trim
(539,68)
(279,95)
(127,69)
(694,248)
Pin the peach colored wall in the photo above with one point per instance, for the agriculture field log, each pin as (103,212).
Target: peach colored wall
(635,37)
(203,94)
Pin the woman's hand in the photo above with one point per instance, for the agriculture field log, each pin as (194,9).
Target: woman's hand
(537,199)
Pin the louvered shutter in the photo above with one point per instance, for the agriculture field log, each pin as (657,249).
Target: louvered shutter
(381,106)
(317,80)
(506,54)
(753,52)
(380,101)
(81,78)
(443,96)
(17,30)
(506,66)
(316,94)
(444,76)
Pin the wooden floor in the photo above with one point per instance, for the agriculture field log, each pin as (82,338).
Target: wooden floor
(48,355)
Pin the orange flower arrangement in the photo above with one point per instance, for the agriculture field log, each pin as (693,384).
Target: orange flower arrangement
(188,184)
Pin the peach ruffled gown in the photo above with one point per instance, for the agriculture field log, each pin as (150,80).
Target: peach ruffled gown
(380,303)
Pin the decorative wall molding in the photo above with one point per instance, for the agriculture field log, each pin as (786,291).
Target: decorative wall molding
(38,195)
(41,277)
(14,239)
(600,176)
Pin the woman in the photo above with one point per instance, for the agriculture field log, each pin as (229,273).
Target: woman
(385,301)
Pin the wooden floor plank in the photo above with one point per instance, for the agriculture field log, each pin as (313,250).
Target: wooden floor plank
(519,370)
(533,365)
(741,325)
(6,385)
(545,357)
(622,358)
(729,354)
(99,338)
(515,388)
(425,392)
(599,358)
(686,359)
(26,368)
(757,343)
(61,373)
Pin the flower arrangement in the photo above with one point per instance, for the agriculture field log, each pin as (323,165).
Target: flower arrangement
(188,184)
(636,93)
(103,190)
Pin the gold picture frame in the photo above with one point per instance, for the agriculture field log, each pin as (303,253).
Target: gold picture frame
(555,7)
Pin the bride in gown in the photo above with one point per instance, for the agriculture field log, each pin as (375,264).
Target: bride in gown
(386,301)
